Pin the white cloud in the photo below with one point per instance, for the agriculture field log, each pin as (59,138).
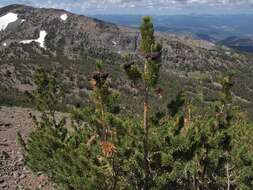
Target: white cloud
(89,4)
(83,6)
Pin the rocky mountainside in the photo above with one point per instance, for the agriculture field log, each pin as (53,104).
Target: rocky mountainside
(70,43)
(69,33)
(64,33)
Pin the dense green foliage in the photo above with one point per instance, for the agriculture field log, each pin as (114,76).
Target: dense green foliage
(103,148)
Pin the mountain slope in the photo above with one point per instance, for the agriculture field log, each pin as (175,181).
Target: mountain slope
(244,44)
(70,44)
(72,33)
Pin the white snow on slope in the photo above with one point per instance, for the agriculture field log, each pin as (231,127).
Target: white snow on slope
(114,43)
(7,19)
(64,17)
(40,40)
(4,44)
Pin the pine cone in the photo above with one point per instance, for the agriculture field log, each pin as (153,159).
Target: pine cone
(98,76)
(127,66)
(104,76)
(159,92)
(108,148)
(155,55)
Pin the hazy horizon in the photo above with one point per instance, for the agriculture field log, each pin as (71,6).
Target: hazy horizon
(143,7)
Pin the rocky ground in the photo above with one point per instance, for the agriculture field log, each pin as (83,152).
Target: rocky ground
(14,175)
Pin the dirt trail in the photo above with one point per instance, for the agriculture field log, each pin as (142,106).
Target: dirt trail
(14,175)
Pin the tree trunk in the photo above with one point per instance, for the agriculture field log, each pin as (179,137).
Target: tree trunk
(228,176)
(115,175)
(146,133)
(195,183)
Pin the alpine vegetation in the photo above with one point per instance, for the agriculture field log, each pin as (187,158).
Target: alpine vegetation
(101,145)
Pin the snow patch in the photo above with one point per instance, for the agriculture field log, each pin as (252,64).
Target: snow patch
(40,40)
(4,44)
(228,53)
(64,17)
(22,20)
(114,43)
(7,19)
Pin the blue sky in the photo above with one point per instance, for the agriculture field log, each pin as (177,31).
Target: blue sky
(90,7)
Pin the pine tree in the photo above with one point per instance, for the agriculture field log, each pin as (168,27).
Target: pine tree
(151,56)
(196,151)
(105,149)
(50,133)
(241,166)
(225,122)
